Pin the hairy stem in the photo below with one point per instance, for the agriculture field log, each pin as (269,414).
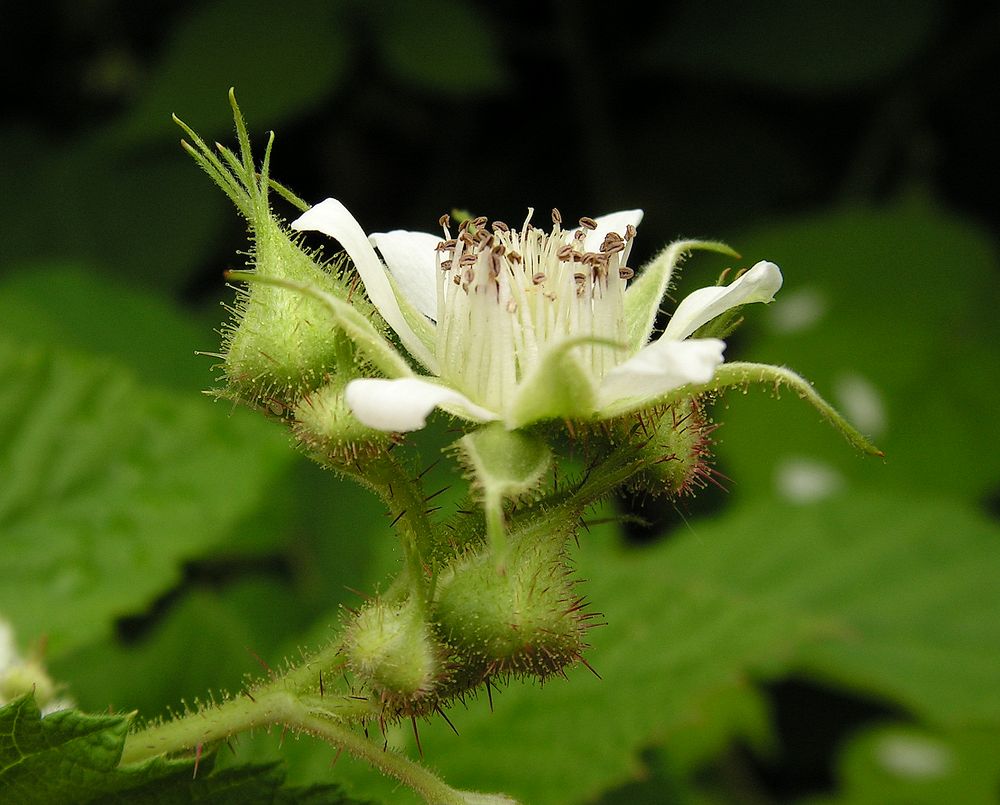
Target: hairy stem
(407,503)
(321,718)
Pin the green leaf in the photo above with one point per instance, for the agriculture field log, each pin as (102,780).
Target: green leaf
(53,304)
(890,313)
(790,46)
(109,487)
(907,764)
(888,597)
(207,642)
(71,757)
(440,45)
(253,45)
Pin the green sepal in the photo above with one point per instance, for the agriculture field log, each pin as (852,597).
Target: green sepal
(559,387)
(740,374)
(277,345)
(359,328)
(504,463)
(644,296)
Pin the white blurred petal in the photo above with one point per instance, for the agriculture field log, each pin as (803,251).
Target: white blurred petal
(409,256)
(759,284)
(805,480)
(613,222)
(798,311)
(334,219)
(404,404)
(661,367)
(8,651)
(861,402)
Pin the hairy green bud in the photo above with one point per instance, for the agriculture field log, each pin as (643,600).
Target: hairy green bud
(393,649)
(526,621)
(327,430)
(675,446)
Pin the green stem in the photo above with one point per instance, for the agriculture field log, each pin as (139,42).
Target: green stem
(496,530)
(405,498)
(318,718)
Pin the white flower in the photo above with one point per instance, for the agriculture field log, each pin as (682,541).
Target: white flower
(521,325)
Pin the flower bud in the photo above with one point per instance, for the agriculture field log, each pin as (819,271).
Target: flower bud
(325,427)
(281,343)
(526,621)
(392,648)
(674,443)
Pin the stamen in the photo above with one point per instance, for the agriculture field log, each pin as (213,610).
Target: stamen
(556,216)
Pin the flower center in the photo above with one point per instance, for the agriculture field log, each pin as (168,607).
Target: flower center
(504,297)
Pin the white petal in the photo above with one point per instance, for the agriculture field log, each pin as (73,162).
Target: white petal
(613,222)
(660,367)
(403,404)
(410,258)
(759,284)
(334,219)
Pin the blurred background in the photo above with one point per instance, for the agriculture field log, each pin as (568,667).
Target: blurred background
(827,629)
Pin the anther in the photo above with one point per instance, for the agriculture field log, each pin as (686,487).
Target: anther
(556,216)
(500,225)
(588,223)
(514,257)
(565,252)
(626,273)
(445,221)
(479,221)
(538,279)
(629,232)
(467,260)
(446,265)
